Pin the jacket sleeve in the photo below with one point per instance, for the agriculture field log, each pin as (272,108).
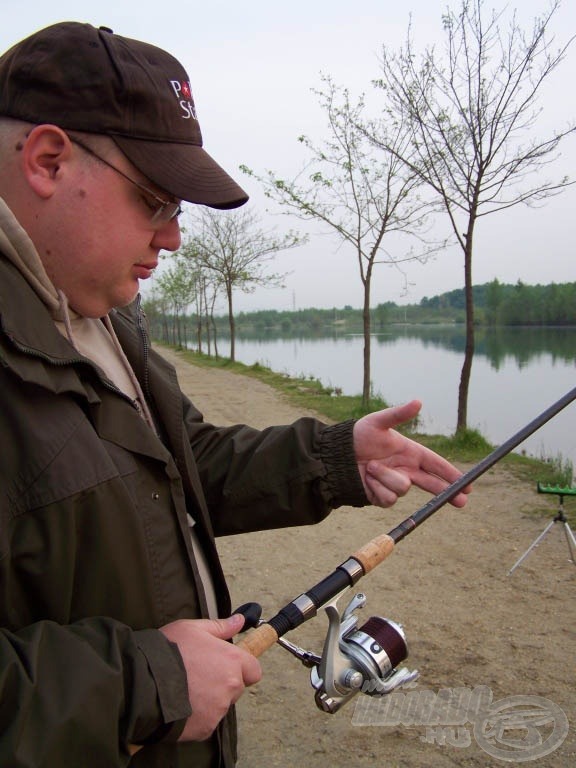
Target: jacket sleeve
(258,479)
(277,477)
(80,694)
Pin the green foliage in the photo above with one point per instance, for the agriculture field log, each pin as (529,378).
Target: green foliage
(557,471)
(471,441)
(465,445)
(497,304)
(519,304)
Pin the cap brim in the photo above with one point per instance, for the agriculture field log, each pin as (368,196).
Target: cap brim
(186,171)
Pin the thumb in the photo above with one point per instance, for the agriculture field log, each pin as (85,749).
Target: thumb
(225,629)
(398,414)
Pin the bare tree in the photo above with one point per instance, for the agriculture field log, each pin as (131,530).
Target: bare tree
(233,246)
(360,199)
(187,283)
(176,288)
(209,289)
(472,114)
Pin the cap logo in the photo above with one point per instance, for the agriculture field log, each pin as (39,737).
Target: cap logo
(183,93)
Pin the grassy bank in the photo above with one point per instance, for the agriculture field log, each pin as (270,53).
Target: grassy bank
(468,447)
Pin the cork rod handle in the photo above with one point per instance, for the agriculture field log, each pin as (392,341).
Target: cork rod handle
(373,553)
(259,640)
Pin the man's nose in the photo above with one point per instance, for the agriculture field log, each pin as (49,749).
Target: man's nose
(168,237)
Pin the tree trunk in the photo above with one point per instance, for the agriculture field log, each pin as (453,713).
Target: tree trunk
(232,324)
(178,330)
(206,318)
(214,336)
(367,340)
(213,325)
(199,330)
(462,420)
(199,333)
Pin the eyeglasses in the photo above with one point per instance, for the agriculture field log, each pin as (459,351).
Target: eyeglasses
(162,211)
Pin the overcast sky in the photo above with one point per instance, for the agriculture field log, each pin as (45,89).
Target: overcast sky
(253,66)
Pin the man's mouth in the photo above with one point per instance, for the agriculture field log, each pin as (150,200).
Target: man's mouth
(144,271)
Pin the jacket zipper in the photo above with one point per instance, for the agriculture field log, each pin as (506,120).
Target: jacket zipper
(140,324)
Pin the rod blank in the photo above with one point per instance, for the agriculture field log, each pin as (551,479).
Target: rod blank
(408,525)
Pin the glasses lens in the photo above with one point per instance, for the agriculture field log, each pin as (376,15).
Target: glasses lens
(166,212)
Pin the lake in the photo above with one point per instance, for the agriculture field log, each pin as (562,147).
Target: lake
(517,373)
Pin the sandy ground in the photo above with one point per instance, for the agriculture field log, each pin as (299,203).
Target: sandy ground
(469,625)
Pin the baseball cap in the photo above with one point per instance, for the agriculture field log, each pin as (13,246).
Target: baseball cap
(84,78)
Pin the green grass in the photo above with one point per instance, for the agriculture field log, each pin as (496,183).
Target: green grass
(468,446)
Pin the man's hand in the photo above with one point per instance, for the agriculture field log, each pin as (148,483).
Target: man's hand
(390,463)
(217,671)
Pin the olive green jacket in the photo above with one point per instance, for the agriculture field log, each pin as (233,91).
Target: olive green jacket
(95,552)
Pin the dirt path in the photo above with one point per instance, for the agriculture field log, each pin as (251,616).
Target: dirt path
(467,622)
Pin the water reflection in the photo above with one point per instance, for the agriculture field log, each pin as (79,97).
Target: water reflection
(496,344)
(516,374)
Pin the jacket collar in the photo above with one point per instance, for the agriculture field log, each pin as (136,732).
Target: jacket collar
(32,331)
(34,350)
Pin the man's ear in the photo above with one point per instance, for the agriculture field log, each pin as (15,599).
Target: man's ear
(45,151)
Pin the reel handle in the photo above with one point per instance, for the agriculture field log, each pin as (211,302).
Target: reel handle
(368,557)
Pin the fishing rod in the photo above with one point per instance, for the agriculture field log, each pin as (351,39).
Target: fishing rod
(364,658)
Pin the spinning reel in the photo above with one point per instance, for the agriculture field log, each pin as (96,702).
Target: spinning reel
(354,659)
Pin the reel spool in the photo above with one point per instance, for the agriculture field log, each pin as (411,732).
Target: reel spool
(376,649)
(359,659)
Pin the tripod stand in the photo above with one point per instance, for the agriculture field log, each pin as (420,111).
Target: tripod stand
(560,518)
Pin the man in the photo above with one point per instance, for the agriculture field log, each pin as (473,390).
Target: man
(115,615)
